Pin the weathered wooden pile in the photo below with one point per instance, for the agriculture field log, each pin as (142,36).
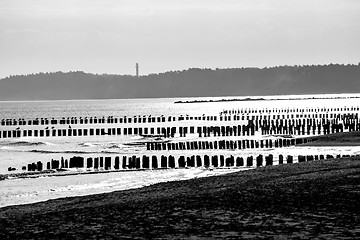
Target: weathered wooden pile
(154,162)
(230,130)
(296,121)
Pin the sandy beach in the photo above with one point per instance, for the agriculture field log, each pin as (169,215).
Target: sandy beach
(179,119)
(315,199)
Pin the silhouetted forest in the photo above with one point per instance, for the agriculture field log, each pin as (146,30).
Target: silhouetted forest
(194,82)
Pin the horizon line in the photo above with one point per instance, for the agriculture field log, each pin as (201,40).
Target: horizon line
(169,71)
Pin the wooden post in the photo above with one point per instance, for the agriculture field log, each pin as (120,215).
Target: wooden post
(198,161)
(215,161)
(171,161)
(181,162)
(117,163)
(301,158)
(39,166)
(191,161)
(154,162)
(164,163)
(249,161)
(289,159)
(137,163)
(145,162)
(281,159)
(124,165)
(89,163)
(222,161)
(206,161)
(230,161)
(107,163)
(259,161)
(101,162)
(239,161)
(269,160)
(96,163)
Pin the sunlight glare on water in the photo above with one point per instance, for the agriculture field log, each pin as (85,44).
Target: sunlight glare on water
(20,152)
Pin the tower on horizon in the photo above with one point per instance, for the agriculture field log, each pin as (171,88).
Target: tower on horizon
(137,69)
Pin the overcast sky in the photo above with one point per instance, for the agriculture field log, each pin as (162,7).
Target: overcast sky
(110,36)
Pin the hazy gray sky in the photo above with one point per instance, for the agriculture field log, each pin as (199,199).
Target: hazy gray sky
(110,36)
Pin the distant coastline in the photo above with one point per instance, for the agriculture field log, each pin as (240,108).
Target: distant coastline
(258,99)
(193,82)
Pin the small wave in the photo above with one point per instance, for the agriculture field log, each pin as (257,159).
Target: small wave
(25,143)
(6,148)
(66,151)
(114,146)
(108,152)
(77,152)
(135,144)
(139,137)
(73,152)
(87,144)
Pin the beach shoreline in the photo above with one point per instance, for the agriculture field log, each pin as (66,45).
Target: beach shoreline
(341,139)
(304,200)
(313,199)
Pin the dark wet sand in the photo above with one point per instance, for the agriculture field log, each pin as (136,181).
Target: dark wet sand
(336,139)
(319,199)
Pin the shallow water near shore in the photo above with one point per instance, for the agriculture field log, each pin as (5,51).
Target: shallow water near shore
(30,190)
(21,151)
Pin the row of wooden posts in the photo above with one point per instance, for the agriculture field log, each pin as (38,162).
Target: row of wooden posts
(73,132)
(290,110)
(327,116)
(254,114)
(164,162)
(279,127)
(225,144)
(91,120)
(224,115)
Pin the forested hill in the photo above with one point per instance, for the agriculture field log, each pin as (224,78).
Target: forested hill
(195,82)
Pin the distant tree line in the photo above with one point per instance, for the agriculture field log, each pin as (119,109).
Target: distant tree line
(193,82)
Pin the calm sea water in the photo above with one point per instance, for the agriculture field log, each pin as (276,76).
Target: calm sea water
(161,106)
(19,152)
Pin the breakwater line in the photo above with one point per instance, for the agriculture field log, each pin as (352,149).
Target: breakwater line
(81,165)
(260,99)
(222,126)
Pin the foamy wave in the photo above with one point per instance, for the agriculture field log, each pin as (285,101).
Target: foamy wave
(106,151)
(135,144)
(65,151)
(43,151)
(100,183)
(88,144)
(115,146)
(26,143)
(84,187)
(138,137)
(6,148)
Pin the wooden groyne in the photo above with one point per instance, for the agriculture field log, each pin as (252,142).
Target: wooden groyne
(226,144)
(102,120)
(226,115)
(169,162)
(239,122)
(230,130)
(249,128)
